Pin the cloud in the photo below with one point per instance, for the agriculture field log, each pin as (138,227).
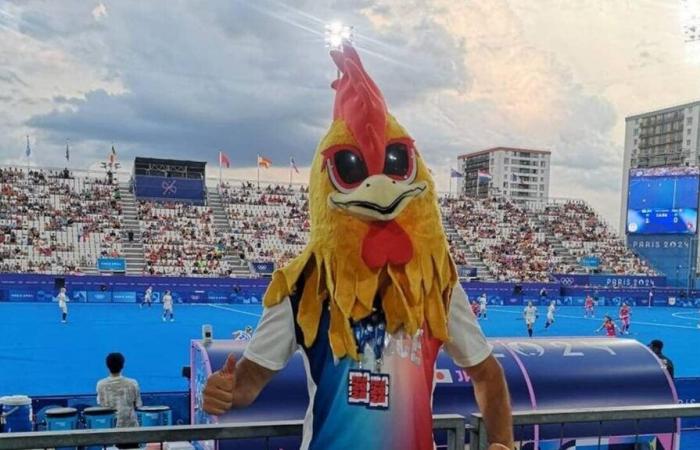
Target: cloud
(253,77)
(99,12)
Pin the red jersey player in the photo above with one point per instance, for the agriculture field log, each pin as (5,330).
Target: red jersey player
(475,308)
(588,307)
(610,327)
(625,314)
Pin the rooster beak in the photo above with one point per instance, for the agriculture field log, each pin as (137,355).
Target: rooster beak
(377,198)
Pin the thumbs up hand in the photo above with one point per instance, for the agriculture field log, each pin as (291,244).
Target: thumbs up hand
(218,392)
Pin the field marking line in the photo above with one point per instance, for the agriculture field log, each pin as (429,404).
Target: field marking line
(234,310)
(681,315)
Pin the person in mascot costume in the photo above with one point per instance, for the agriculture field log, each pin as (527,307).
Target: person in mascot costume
(373,297)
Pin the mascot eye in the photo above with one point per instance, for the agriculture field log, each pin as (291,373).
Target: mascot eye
(399,161)
(348,168)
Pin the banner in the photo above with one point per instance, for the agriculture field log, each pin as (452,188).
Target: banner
(165,189)
(591,262)
(466,271)
(610,280)
(111,264)
(262,267)
(672,255)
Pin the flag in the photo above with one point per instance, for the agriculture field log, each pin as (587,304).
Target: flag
(223,160)
(455,174)
(264,162)
(482,175)
(113,156)
(293,164)
(443,376)
(67,152)
(28,152)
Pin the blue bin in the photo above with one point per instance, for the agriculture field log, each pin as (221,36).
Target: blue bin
(99,417)
(62,419)
(154,416)
(16,413)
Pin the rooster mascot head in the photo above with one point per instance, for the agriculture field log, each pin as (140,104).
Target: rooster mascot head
(376,233)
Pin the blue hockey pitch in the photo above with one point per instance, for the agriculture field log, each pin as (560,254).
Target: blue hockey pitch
(41,356)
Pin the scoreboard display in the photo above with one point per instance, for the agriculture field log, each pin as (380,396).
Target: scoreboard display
(663,200)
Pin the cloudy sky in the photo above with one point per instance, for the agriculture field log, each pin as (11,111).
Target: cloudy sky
(183,79)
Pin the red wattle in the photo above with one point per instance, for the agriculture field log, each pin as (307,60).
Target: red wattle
(386,242)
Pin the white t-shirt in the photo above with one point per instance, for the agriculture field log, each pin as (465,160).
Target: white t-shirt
(274,343)
(530,314)
(62,301)
(482,303)
(550,311)
(148,294)
(167,301)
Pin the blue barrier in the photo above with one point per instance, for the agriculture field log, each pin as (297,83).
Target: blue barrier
(130,289)
(609,280)
(540,374)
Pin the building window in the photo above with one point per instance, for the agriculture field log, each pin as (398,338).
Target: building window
(689,121)
(506,160)
(687,142)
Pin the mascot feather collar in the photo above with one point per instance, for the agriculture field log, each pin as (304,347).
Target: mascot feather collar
(376,230)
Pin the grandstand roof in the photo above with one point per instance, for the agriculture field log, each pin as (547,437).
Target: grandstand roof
(507,149)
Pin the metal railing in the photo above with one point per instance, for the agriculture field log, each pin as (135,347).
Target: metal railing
(599,416)
(454,425)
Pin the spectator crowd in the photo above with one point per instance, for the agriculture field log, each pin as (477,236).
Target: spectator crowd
(53,222)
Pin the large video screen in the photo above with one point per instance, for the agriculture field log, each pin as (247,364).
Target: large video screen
(663,200)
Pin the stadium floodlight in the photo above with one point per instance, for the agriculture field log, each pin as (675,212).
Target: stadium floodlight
(337,34)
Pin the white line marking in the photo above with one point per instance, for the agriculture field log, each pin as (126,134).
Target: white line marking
(681,315)
(600,319)
(234,310)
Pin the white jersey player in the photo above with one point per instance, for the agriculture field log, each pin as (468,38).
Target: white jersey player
(551,309)
(482,306)
(148,296)
(530,315)
(63,304)
(168,307)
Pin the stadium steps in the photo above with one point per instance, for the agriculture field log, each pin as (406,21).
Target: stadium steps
(133,251)
(223,227)
(482,270)
(556,243)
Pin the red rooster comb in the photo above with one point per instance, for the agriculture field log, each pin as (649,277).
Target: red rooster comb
(360,104)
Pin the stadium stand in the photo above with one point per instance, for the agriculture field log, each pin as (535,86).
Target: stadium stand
(58,222)
(180,239)
(582,232)
(268,224)
(54,222)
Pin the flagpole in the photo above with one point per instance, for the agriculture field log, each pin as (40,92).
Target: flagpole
(29,154)
(477,185)
(257,163)
(219,169)
(449,190)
